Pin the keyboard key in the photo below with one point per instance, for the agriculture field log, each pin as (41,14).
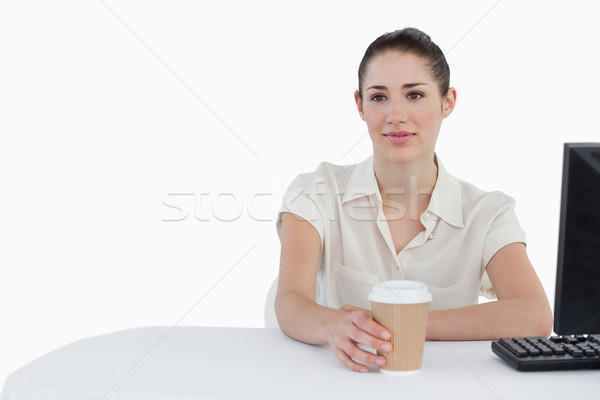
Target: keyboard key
(570,339)
(548,342)
(595,346)
(594,338)
(513,347)
(545,351)
(554,347)
(573,351)
(533,351)
(532,339)
(539,343)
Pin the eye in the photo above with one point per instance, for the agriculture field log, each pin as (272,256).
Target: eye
(414,95)
(377,98)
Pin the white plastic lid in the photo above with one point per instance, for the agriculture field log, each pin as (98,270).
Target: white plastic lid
(400,292)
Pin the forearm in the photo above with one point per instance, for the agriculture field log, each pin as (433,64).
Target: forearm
(489,321)
(302,319)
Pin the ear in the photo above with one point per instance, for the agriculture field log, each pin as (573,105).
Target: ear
(359,105)
(449,102)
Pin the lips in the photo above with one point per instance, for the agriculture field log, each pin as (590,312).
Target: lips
(399,136)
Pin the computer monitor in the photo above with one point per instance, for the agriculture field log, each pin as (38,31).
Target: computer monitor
(577,297)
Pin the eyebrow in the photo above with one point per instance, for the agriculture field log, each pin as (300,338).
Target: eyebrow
(405,86)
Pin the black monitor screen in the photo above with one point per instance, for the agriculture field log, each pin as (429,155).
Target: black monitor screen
(577,302)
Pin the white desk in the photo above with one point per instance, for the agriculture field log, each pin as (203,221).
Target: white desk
(236,363)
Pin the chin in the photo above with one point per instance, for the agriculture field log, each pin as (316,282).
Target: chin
(399,156)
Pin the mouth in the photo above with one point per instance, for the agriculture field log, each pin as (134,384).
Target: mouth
(399,136)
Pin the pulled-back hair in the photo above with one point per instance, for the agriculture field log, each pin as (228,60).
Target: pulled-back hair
(412,41)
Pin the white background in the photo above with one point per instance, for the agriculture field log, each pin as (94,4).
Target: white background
(109,112)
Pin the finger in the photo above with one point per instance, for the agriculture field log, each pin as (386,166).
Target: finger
(352,350)
(365,338)
(348,362)
(366,323)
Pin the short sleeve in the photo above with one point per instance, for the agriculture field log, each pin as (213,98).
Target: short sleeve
(504,230)
(300,200)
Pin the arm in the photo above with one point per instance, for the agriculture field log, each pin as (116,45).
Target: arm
(301,318)
(522,308)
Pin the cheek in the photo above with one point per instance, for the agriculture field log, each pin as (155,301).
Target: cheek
(374,118)
(371,120)
(426,115)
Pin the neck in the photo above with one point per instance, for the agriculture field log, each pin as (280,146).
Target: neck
(408,185)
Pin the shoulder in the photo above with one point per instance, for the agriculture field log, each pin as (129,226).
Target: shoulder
(310,194)
(487,208)
(327,178)
(473,195)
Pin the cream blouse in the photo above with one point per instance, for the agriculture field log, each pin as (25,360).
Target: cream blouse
(464,228)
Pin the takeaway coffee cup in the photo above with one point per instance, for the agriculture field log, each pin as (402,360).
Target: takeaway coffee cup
(402,307)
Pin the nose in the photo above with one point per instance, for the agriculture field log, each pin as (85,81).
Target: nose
(396,113)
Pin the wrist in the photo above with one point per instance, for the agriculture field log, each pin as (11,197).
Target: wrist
(432,332)
(330,317)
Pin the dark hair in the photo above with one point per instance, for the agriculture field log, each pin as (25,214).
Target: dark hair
(413,41)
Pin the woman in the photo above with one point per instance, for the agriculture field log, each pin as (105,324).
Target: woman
(400,215)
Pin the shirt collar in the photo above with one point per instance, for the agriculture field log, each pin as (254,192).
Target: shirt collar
(446,199)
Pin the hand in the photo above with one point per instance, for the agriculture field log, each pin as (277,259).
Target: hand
(355,326)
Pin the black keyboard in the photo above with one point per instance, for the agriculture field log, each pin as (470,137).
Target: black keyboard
(545,354)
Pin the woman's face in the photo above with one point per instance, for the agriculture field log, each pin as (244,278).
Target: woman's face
(402,106)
